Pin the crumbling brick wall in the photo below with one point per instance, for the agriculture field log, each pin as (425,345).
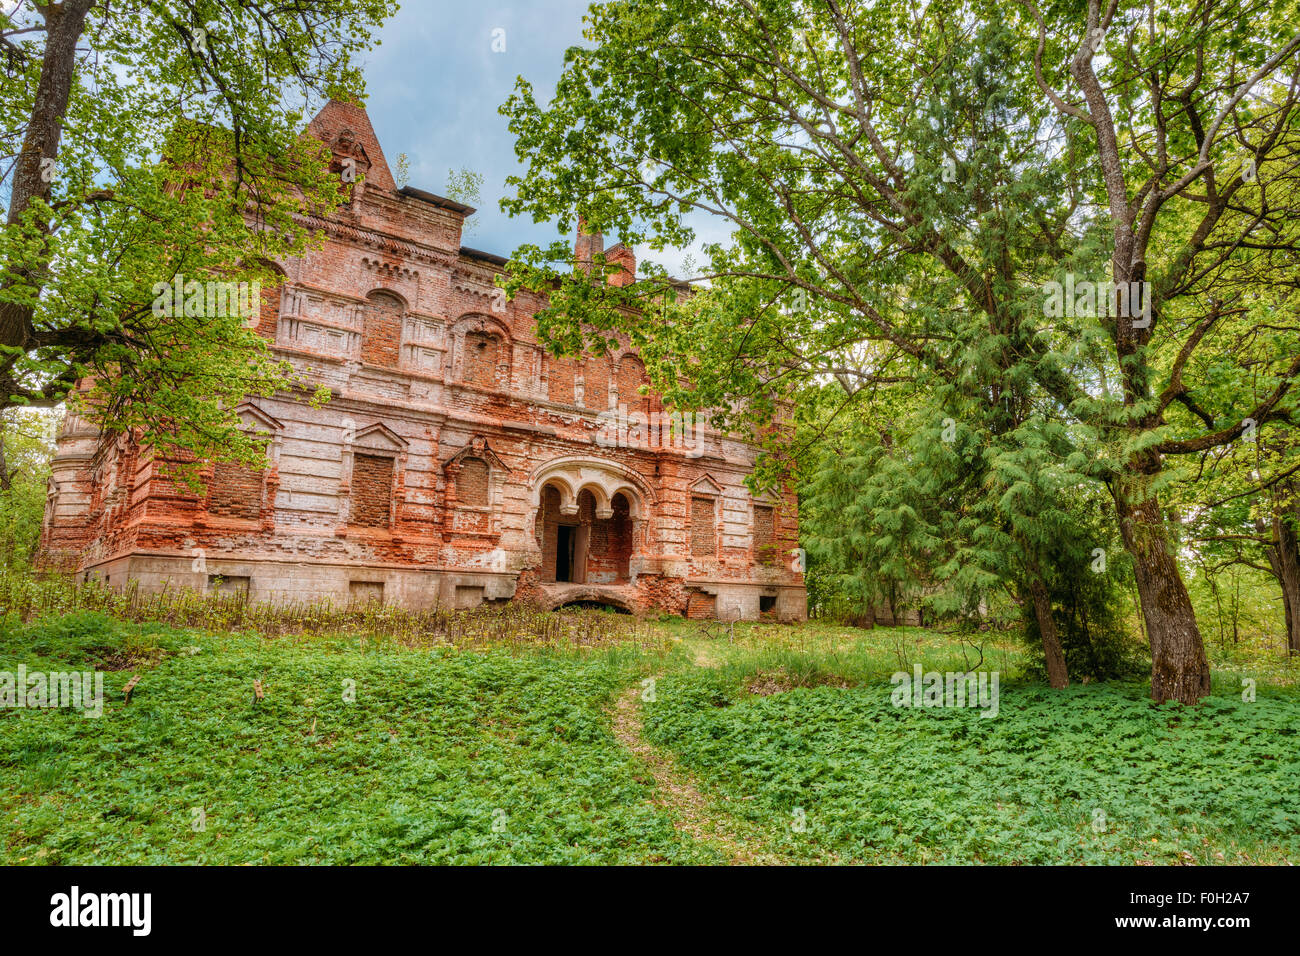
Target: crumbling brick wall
(372,491)
(235,491)
(424,477)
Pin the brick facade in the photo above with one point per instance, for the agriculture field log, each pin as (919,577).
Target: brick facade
(372,491)
(457,461)
(235,491)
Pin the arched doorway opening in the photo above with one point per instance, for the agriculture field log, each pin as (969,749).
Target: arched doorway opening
(609,540)
(593,606)
(587,542)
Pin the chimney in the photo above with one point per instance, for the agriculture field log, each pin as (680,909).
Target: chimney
(587,246)
(625,259)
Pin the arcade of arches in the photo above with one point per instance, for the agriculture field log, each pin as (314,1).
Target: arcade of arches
(588,546)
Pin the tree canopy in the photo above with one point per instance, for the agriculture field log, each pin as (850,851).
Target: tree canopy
(1053,221)
(154,144)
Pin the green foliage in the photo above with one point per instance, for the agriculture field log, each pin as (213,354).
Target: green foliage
(1239,605)
(25,448)
(1094,620)
(181,155)
(88,639)
(465,186)
(440,744)
(436,750)
(1087,775)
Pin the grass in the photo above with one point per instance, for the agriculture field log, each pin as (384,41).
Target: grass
(398,744)
(443,756)
(1093,774)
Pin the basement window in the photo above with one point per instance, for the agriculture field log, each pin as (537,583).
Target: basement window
(228,584)
(366,592)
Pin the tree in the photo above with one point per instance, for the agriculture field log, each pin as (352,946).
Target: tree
(903,185)
(465,186)
(26,443)
(155,142)
(1247,514)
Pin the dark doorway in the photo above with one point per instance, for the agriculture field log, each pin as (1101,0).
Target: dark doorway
(593,606)
(564,552)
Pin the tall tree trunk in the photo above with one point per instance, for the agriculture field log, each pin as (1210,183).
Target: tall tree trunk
(1179,668)
(1057,675)
(64,24)
(1284,558)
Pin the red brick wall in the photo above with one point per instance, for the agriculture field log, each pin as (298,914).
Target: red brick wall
(235,491)
(704,532)
(472,482)
(381,338)
(561,373)
(482,351)
(764,535)
(372,490)
(268,316)
(595,382)
(631,375)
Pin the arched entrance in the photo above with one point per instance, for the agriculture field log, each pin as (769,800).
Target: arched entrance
(588,543)
(591,521)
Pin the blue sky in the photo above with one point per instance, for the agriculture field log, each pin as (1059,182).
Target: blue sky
(434,86)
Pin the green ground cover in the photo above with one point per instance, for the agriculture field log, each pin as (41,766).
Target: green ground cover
(368,749)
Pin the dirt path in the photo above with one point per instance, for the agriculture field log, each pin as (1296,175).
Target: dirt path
(678,796)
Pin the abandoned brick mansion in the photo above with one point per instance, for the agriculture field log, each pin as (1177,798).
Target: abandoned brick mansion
(457,461)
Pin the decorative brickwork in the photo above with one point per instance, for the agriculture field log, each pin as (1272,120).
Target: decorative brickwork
(372,491)
(704,532)
(457,461)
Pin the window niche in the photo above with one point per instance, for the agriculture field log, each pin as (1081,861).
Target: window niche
(483,350)
(240,492)
(373,462)
(472,477)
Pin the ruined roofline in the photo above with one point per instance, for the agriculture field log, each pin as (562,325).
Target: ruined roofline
(479,254)
(440,201)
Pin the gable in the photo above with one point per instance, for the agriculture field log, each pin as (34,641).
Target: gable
(256,419)
(342,122)
(706,486)
(477,448)
(379,437)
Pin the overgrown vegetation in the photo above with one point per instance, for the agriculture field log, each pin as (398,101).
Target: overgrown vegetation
(1095,775)
(507,624)
(26,443)
(367,747)
(434,756)
(1046,257)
